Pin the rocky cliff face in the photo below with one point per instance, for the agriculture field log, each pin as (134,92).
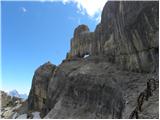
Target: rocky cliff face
(81,43)
(99,86)
(128,34)
(134,26)
(38,92)
(93,88)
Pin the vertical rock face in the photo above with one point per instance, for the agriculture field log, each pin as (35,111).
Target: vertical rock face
(128,34)
(81,43)
(133,29)
(38,92)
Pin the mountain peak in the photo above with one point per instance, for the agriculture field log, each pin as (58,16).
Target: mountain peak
(15,93)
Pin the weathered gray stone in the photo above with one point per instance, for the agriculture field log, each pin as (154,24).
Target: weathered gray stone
(134,26)
(9,106)
(81,43)
(93,88)
(5,99)
(38,92)
(126,34)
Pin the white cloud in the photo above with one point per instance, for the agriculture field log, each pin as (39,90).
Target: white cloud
(23,9)
(92,8)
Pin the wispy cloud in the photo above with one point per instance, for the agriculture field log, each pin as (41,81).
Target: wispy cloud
(92,8)
(23,9)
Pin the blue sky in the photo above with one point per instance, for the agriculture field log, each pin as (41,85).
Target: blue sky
(34,33)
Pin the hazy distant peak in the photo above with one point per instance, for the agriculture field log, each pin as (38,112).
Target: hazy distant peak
(15,93)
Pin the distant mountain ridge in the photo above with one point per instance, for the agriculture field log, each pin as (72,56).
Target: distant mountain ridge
(16,94)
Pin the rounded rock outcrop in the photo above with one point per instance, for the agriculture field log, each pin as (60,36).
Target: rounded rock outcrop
(80,29)
(81,43)
(38,92)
